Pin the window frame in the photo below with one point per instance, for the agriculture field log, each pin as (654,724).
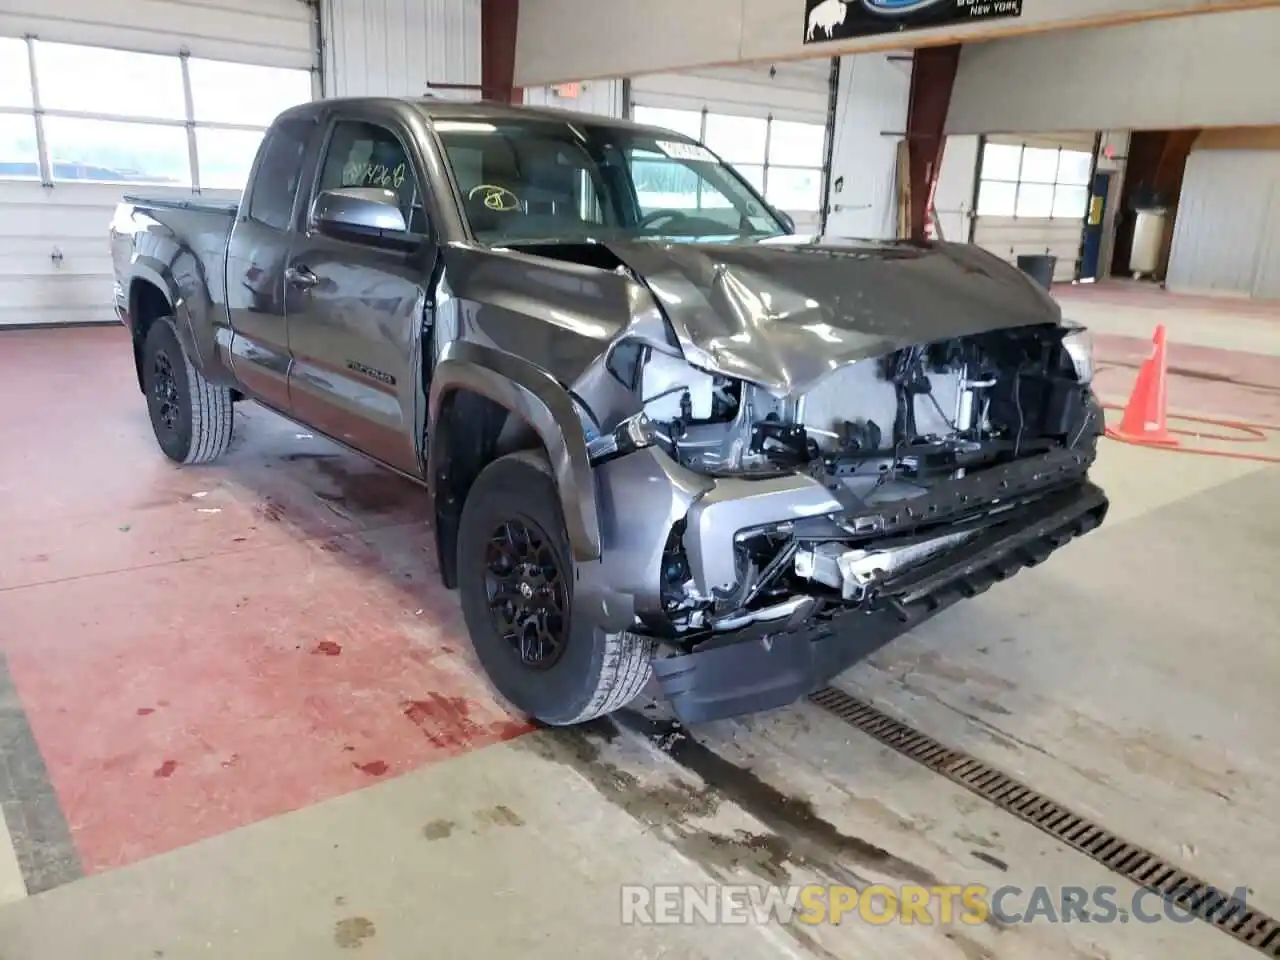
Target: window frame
(37,112)
(601,187)
(1022,147)
(377,118)
(251,188)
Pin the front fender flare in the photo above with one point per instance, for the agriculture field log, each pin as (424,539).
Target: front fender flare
(537,398)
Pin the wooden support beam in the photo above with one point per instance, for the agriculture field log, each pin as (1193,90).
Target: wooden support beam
(498,22)
(933,77)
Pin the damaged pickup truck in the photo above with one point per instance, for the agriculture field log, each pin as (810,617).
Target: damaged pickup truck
(664,437)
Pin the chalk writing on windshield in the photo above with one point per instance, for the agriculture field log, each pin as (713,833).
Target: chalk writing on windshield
(373,175)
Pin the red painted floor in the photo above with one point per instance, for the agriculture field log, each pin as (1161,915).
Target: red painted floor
(200,648)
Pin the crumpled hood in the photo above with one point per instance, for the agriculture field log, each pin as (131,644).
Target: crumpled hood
(782,313)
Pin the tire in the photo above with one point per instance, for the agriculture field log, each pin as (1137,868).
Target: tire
(190,416)
(593,673)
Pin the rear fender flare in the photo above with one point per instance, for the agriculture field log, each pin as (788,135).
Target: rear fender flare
(193,320)
(541,402)
(146,272)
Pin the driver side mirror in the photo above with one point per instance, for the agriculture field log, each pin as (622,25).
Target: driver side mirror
(362,214)
(787,219)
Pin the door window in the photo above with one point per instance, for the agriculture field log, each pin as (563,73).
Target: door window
(362,154)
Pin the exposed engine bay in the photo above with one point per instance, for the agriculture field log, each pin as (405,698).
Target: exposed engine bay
(885,429)
(902,430)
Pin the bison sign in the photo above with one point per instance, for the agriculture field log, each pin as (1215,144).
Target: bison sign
(843,19)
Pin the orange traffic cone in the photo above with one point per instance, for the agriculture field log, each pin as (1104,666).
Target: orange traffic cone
(1144,420)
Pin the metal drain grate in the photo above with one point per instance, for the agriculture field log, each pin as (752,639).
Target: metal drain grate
(1142,867)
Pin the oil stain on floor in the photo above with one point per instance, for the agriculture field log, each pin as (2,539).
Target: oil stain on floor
(351,933)
(791,835)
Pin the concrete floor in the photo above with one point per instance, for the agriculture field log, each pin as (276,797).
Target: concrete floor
(239,717)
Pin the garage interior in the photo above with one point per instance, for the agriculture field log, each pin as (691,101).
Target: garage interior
(240,716)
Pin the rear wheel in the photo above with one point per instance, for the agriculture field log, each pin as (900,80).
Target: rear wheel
(190,416)
(515,574)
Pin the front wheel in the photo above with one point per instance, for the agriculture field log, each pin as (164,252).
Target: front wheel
(515,575)
(190,416)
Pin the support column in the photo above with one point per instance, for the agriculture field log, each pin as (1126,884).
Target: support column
(498,19)
(933,77)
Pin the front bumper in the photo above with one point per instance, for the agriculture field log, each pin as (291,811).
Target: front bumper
(753,669)
(644,496)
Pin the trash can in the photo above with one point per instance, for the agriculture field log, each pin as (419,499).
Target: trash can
(1039,267)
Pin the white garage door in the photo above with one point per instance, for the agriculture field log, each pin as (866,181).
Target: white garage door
(769,121)
(871,115)
(1033,193)
(99,98)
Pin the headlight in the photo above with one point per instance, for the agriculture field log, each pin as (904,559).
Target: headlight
(634,433)
(630,435)
(1079,346)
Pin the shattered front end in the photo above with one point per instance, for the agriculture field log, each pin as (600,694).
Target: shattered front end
(770,541)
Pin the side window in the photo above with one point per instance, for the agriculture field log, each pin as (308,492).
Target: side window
(276,183)
(364,154)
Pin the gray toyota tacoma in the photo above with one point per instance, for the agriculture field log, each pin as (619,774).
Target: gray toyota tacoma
(665,439)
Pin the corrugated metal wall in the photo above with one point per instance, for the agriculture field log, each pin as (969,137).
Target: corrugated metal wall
(871,115)
(1227,235)
(398,47)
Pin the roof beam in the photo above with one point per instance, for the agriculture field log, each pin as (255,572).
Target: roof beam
(564,40)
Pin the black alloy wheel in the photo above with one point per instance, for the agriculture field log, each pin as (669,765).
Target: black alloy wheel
(527,595)
(190,416)
(536,638)
(166,398)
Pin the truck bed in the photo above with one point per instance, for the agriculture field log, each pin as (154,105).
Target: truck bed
(226,208)
(160,230)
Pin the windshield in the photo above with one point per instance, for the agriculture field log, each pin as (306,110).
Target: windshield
(539,179)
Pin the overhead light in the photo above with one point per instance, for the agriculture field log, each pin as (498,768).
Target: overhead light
(463,126)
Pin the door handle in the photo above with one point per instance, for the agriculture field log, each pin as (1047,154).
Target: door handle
(301,277)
